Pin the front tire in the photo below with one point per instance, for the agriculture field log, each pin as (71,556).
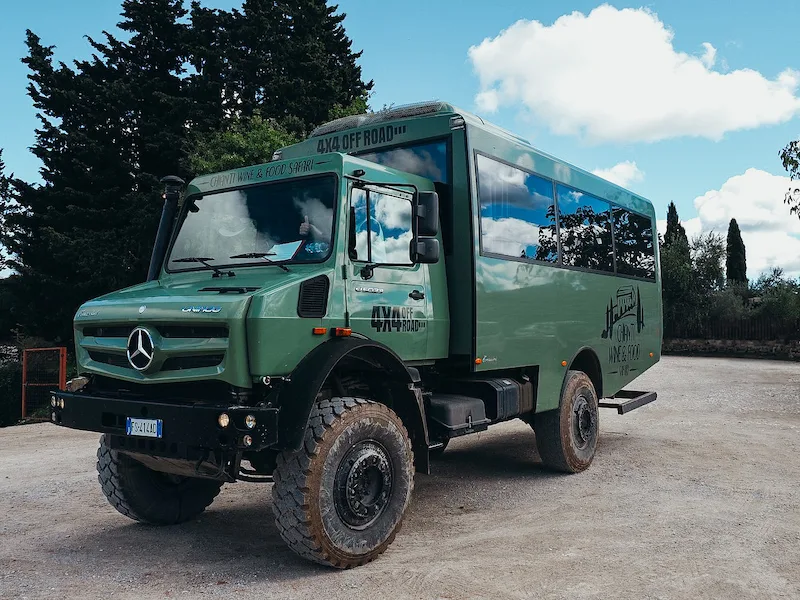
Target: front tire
(340,499)
(567,437)
(149,496)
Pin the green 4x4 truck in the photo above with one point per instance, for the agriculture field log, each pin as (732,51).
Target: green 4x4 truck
(330,319)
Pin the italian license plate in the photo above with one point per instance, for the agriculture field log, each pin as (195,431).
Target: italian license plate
(144,427)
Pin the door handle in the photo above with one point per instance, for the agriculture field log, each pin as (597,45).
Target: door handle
(416,295)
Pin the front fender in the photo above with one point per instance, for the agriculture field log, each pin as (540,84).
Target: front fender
(297,397)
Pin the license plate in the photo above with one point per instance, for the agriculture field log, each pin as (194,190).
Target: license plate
(144,427)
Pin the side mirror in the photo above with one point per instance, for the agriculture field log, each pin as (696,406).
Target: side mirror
(425,251)
(427,214)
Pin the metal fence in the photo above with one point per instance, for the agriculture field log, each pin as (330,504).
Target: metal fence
(758,329)
(43,369)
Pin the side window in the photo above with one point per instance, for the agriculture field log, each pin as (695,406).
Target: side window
(426,160)
(517,212)
(633,237)
(380,227)
(585,229)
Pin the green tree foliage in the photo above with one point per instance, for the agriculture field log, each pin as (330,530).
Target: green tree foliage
(735,260)
(790,157)
(245,141)
(677,277)
(185,92)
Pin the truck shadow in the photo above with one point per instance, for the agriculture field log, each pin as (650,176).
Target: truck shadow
(236,541)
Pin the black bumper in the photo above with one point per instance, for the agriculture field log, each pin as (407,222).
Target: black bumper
(188,430)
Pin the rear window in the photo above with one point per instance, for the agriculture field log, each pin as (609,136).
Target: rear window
(633,239)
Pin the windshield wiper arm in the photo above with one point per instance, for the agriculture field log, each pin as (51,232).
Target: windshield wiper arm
(263,255)
(203,260)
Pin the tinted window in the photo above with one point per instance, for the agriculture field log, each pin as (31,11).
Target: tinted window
(585,229)
(517,212)
(633,237)
(381,227)
(426,160)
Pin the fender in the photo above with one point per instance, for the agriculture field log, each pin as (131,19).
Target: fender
(297,397)
(593,368)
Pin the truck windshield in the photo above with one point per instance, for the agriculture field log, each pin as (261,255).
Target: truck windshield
(285,221)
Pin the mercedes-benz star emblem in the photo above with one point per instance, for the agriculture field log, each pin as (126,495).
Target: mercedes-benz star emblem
(140,349)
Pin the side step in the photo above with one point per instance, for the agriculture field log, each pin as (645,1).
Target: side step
(627,400)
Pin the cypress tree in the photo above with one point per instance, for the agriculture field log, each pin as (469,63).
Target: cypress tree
(675,230)
(735,260)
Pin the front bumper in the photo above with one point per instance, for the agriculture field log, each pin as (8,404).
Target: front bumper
(189,431)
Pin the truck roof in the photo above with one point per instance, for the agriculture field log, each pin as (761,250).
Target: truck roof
(418,109)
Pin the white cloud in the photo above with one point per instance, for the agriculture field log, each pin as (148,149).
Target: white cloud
(710,55)
(755,199)
(614,75)
(623,174)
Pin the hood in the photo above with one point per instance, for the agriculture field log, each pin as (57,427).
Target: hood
(190,295)
(195,323)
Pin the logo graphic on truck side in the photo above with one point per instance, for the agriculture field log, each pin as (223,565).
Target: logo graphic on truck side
(356,140)
(395,319)
(624,323)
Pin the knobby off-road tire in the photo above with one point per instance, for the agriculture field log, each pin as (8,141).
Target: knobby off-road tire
(340,499)
(150,496)
(567,437)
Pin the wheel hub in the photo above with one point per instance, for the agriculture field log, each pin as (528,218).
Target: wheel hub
(363,484)
(584,423)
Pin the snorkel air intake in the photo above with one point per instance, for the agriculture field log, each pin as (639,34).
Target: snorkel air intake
(172,193)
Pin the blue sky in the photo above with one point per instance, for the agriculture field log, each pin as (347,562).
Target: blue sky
(579,87)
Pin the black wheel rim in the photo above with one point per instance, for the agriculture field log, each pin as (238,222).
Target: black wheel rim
(584,424)
(363,484)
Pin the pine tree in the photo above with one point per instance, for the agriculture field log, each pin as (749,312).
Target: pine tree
(112,126)
(735,260)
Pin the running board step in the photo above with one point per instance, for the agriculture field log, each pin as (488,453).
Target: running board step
(627,400)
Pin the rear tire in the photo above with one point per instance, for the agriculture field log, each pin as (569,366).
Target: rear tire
(567,437)
(149,496)
(340,499)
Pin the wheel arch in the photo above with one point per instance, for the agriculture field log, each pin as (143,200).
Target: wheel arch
(325,366)
(586,360)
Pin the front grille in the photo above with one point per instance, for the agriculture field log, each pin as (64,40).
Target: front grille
(113,331)
(166,331)
(179,363)
(192,331)
(109,358)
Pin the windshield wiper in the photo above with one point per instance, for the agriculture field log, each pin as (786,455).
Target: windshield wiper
(263,255)
(203,260)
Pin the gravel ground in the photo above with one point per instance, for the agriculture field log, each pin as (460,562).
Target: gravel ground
(694,496)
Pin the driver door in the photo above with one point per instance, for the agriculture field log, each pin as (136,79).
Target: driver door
(387,295)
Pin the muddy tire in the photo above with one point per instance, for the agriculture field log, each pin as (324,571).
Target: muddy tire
(340,499)
(150,496)
(567,437)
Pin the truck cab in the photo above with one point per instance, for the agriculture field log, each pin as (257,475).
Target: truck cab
(328,320)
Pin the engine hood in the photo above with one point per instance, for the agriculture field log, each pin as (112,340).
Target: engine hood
(197,324)
(188,296)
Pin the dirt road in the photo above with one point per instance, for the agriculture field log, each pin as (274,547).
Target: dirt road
(695,496)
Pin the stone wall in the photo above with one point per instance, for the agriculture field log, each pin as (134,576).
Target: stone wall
(775,349)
